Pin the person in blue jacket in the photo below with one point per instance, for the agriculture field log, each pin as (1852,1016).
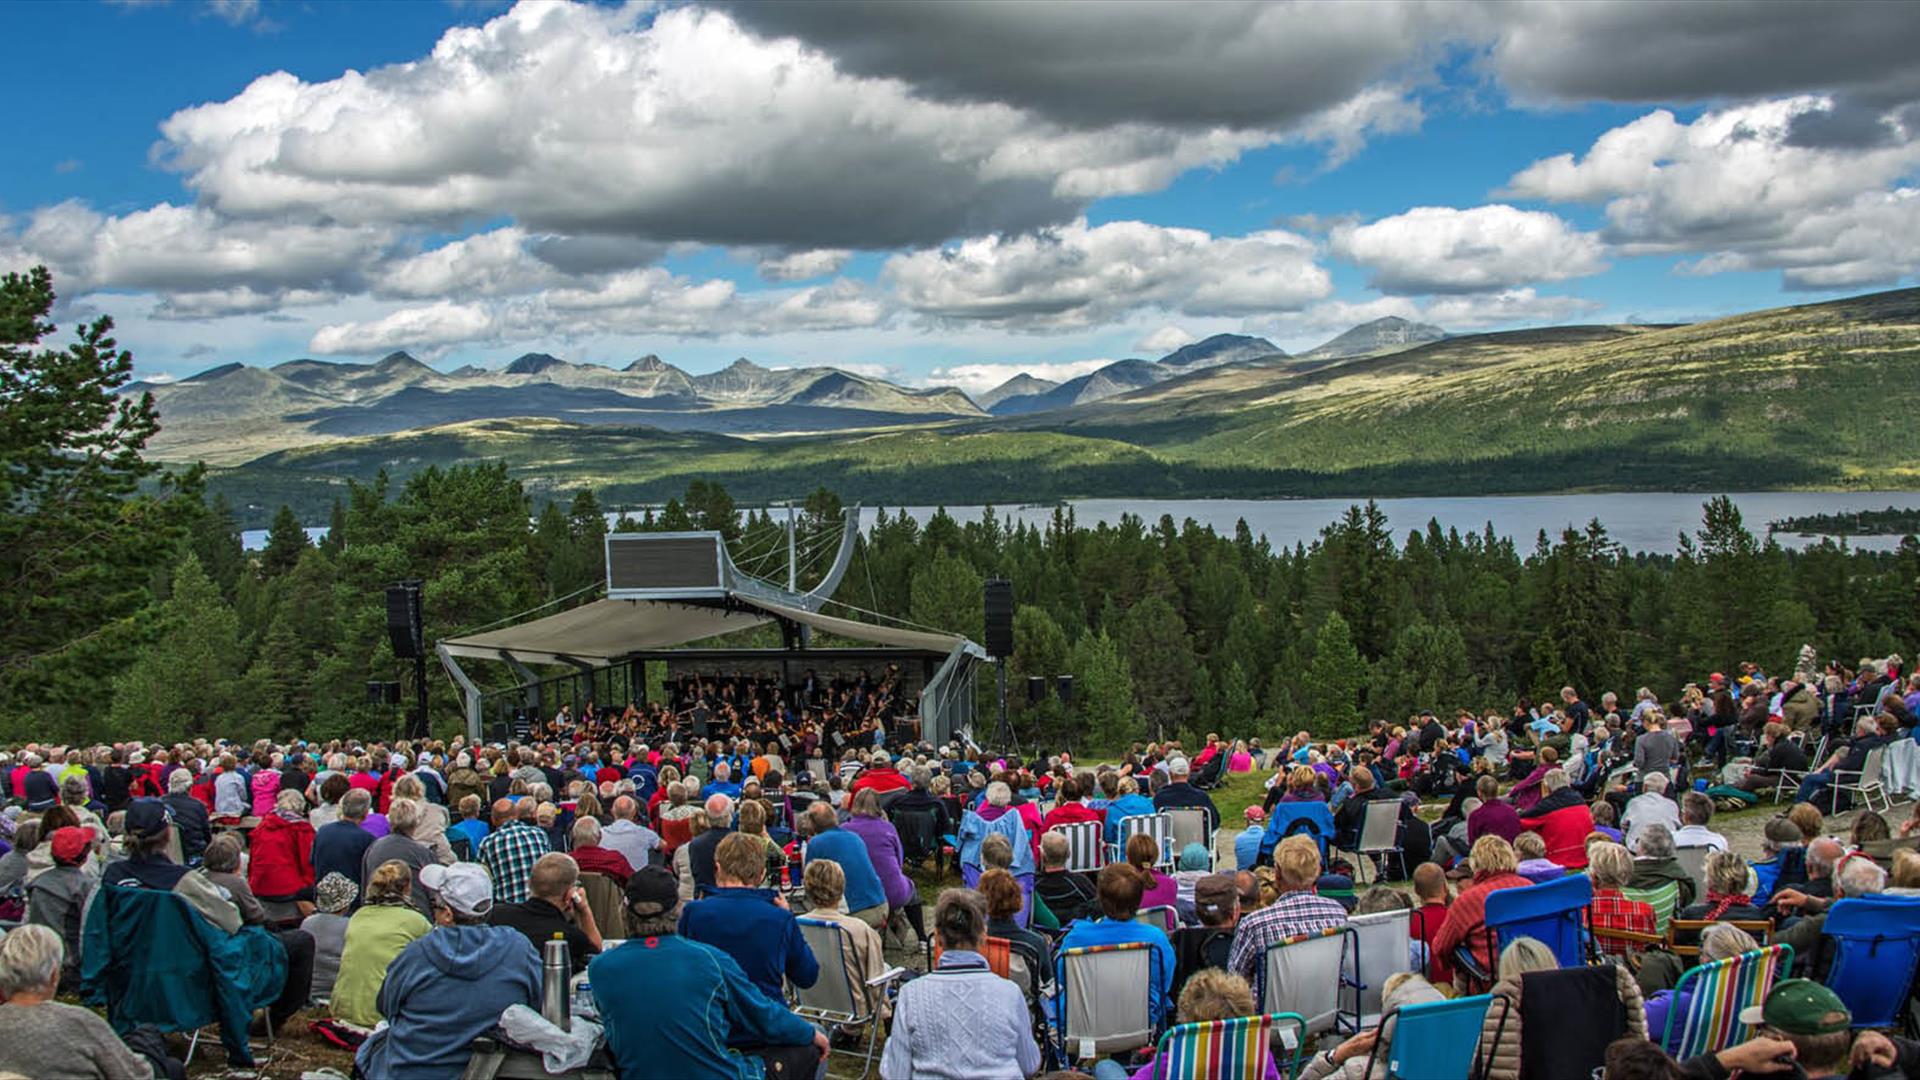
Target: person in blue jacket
(680,1008)
(751,924)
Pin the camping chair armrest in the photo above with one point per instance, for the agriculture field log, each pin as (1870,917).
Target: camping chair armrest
(1465,960)
(887,976)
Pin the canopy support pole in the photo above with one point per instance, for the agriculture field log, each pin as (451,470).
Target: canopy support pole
(467,685)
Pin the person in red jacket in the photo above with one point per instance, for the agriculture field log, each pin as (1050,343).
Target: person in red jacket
(1494,868)
(880,776)
(281,865)
(1070,810)
(1562,818)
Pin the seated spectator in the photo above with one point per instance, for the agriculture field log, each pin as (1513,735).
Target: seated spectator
(888,858)
(431,827)
(751,924)
(1534,864)
(1216,902)
(1696,809)
(1246,846)
(724,1018)
(1069,809)
(866,897)
(405,817)
(1208,996)
(1351,817)
(1654,864)
(1611,868)
(1179,794)
(1562,819)
(865,956)
(633,841)
(699,862)
(1650,807)
(1868,828)
(1727,897)
(1068,894)
(1194,864)
(1784,864)
(1432,897)
(1495,817)
(280,854)
(41,1037)
(1606,821)
(1854,876)
(13,866)
(556,906)
(721,784)
(1904,879)
(1348,1060)
(1003,898)
(449,988)
(1128,802)
(222,864)
(57,899)
(1852,757)
(333,898)
(682,865)
(592,855)
(1721,941)
(1159,890)
(471,825)
(1298,909)
(510,850)
(1817,1031)
(998,817)
(377,933)
(961,1021)
(1501,1033)
(1495,867)
(340,847)
(196,828)
(1119,889)
(751,818)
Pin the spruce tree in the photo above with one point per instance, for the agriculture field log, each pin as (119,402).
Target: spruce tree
(1103,694)
(1334,680)
(286,539)
(183,684)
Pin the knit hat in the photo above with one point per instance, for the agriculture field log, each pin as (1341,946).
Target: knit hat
(1194,857)
(335,893)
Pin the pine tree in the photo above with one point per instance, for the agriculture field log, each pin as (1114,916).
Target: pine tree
(1103,693)
(1237,711)
(1040,650)
(1334,680)
(183,685)
(1160,655)
(278,684)
(215,541)
(946,594)
(286,539)
(336,537)
(1426,669)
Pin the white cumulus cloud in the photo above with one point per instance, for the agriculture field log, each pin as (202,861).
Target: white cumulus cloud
(1431,249)
(1165,340)
(978,378)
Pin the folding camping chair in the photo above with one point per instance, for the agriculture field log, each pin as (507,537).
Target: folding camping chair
(1693,859)
(1305,975)
(1190,826)
(1551,1047)
(1380,834)
(1161,916)
(1158,826)
(1312,818)
(1789,781)
(1552,912)
(834,1001)
(1876,948)
(1720,990)
(996,951)
(1436,1040)
(1866,781)
(1691,930)
(1084,847)
(1234,1049)
(1383,945)
(1663,900)
(1103,1000)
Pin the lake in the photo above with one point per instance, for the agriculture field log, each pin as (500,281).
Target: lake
(1640,521)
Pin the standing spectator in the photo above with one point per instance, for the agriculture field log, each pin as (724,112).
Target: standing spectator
(724,1023)
(1656,752)
(449,988)
(333,898)
(751,924)
(557,907)
(961,1021)
(510,851)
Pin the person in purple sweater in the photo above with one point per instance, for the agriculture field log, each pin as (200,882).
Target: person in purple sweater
(1494,818)
(889,862)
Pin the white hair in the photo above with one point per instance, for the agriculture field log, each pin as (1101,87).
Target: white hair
(181,780)
(999,794)
(1654,782)
(1555,780)
(1860,877)
(30,959)
(404,815)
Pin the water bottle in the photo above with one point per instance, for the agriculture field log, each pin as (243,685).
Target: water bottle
(556,971)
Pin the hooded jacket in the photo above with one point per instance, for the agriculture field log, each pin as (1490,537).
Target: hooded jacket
(444,991)
(1563,820)
(281,863)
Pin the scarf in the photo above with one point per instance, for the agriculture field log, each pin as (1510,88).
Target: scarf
(1718,903)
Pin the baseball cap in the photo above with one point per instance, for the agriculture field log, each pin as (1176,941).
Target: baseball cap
(1800,1007)
(145,817)
(653,886)
(464,887)
(1216,893)
(1256,813)
(70,844)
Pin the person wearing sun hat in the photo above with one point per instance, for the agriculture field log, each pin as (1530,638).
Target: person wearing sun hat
(333,898)
(448,988)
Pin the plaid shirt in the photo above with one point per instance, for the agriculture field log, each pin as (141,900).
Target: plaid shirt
(1611,910)
(509,854)
(1293,914)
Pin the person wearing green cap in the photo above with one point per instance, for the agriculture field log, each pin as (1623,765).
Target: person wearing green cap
(1802,1029)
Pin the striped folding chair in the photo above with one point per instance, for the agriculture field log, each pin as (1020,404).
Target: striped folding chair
(1720,990)
(1233,1049)
(1663,900)
(1085,850)
(1158,826)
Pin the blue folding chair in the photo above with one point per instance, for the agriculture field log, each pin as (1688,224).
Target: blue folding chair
(1552,913)
(1876,947)
(1435,1040)
(1313,818)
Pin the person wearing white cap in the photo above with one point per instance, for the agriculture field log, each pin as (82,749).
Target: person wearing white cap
(1181,795)
(448,988)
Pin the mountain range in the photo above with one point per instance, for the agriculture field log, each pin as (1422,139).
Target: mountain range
(1818,396)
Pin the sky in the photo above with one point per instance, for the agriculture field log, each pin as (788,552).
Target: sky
(940,192)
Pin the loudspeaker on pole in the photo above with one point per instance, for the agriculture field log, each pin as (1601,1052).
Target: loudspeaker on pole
(403,620)
(999,622)
(1065,683)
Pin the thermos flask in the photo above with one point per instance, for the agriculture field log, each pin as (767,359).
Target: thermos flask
(556,971)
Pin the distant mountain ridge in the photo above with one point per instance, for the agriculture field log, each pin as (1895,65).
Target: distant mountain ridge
(1025,394)
(1385,334)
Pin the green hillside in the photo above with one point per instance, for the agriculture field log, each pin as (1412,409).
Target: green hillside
(1820,396)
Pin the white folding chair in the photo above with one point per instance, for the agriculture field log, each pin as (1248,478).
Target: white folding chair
(1190,826)
(1303,975)
(1866,783)
(1084,846)
(1693,859)
(1154,825)
(1103,1000)
(1383,946)
(835,1002)
(1380,833)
